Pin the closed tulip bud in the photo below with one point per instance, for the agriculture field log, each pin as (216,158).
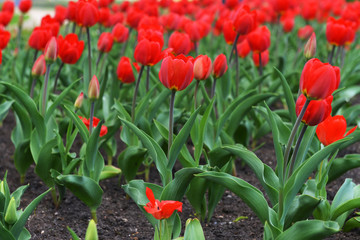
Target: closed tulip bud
(319,80)
(120,33)
(10,215)
(202,67)
(124,71)
(333,129)
(51,50)
(79,100)
(316,112)
(259,39)
(180,43)
(91,232)
(105,42)
(25,5)
(310,47)
(147,52)
(39,67)
(94,89)
(244,20)
(264,58)
(220,66)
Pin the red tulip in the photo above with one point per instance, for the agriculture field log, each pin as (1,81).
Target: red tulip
(51,50)
(264,58)
(309,9)
(120,33)
(259,39)
(202,67)
(170,21)
(333,129)
(152,35)
(87,14)
(39,67)
(176,73)
(244,20)
(316,112)
(220,66)
(319,80)
(196,29)
(8,6)
(305,32)
(229,32)
(115,19)
(60,13)
(104,3)
(148,22)
(133,17)
(104,16)
(94,88)
(161,209)
(103,130)
(124,71)
(287,21)
(71,11)
(51,24)
(4,38)
(281,6)
(39,38)
(243,48)
(339,32)
(5,17)
(70,48)
(180,43)
(25,5)
(147,52)
(105,42)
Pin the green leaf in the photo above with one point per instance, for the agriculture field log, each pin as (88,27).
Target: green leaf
(264,173)
(143,104)
(193,230)
(5,234)
(121,110)
(252,196)
(130,160)
(16,229)
(155,151)
(4,109)
(218,157)
(73,234)
(180,139)
(23,157)
(156,104)
(84,188)
(342,165)
(288,95)
(18,193)
(84,133)
(109,172)
(310,230)
(351,224)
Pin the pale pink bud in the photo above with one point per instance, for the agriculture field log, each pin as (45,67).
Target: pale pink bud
(51,50)
(202,67)
(79,100)
(94,88)
(39,67)
(310,47)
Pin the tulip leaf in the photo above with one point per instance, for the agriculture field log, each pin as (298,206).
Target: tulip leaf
(154,150)
(342,165)
(23,157)
(351,224)
(16,229)
(4,109)
(309,230)
(288,95)
(84,133)
(156,103)
(252,196)
(305,146)
(143,104)
(264,173)
(193,230)
(73,234)
(218,157)
(121,110)
(59,99)
(181,139)
(84,188)
(22,131)
(5,234)
(130,160)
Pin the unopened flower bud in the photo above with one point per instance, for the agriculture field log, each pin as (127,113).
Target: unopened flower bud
(39,67)
(220,66)
(94,89)
(2,188)
(91,232)
(310,47)
(202,67)
(10,216)
(51,50)
(79,101)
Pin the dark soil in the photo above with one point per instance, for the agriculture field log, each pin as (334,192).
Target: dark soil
(120,218)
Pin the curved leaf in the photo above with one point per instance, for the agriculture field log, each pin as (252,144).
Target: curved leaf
(130,160)
(193,230)
(342,165)
(84,133)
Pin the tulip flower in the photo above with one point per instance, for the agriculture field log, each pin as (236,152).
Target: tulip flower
(8,6)
(316,112)
(180,43)
(161,209)
(310,47)
(243,48)
(79,100)
(4,38)
(95,122)
(38,69)
(264,59)
(305,32)
(5,17)
(51,24)
(219,68)
(38,39)
(147,52)
(124,71)
(25,5)
(202,70)
(259,39)
(319,80)
(333,129)
(87,14)
(51,50)
(120,33)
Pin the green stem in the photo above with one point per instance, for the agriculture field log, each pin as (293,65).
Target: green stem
(44,96)
(236,72)
(234,47)
(93,215)
(58,75)
(34,80)
(171,120)
(135,94)
(89,50)
(331,55)
(213,88)
(147,78)
(126,43)
(195,94)
(260,70)
(92,107)
(98,60)
(54,197)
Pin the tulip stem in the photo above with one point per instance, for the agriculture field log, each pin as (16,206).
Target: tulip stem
(147,78)
(135,94)
(233,49)
(126,43)
(35,56)
(260,70)
(213,88)
(74,27)
(92,107)
(293,133)
(21,18)
(98,59)
(195,94)
(89,50)
(33,87)
(94,215)
(44,96)
(296,149)
(196,48)
(58,75)
(171,120)
(331,55)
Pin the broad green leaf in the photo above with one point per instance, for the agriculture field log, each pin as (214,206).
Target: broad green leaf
(193,230)
(23,157)
(156,104)
(345,207)
(109,172)
(218,157)
(305,146)
(154,150)
(84,188)
(5,234)
(17,194)
(264,173)
(4,109)
(25,125)
(121,110)
(288,95)
(342,165)
(351,224)
(196,196)
(143,104)
(16,229)
(181,139)
(310,230)
(84,133)
(252,196)
(130,160)
(344,194)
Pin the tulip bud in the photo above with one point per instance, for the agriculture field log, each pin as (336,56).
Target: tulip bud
(39,67)
(202,67)
(316,112)
(2,187)
(91,232)
(51,50)
(310,47)
(10,216)
(94,89)
(220,66)
(79,101)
